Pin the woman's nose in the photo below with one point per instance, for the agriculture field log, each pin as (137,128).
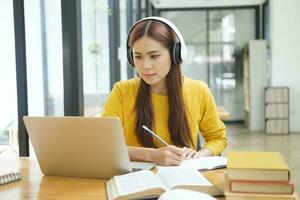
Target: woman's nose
(147,64)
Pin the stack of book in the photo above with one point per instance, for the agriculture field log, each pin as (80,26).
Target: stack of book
(277,110)
(258,176)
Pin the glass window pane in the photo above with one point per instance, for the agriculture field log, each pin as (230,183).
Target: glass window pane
(221,26)
(95,51)
(8,89)
(53,77)
(44,57)
(123,37)
(229,32)
(195,37)
(215,40)
(266,21)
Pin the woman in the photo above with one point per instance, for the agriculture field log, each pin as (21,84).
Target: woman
(173,106)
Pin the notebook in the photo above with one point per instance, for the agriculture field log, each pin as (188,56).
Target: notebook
(201,163)
(8,176)
(145,184)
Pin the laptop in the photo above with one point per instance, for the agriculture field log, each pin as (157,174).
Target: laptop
(79,146)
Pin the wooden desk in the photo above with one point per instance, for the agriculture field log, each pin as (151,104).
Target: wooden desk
(35,185)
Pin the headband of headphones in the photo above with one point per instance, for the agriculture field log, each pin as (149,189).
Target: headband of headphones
(179,47)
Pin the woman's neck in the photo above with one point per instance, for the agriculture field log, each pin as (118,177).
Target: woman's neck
(160,88)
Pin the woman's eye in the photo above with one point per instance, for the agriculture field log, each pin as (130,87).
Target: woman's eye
(137,57)
(154,56)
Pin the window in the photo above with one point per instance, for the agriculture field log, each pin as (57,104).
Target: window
(44,57)
(215,40)
(195,37)
(123,37)
(8,88)
(95,51)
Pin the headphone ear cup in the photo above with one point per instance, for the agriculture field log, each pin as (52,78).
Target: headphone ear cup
(177,53)
(172,53)
(130,56)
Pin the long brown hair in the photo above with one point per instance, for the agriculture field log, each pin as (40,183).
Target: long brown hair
(177,122)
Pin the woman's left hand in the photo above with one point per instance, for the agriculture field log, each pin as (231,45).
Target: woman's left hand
(202,152)
(188,153)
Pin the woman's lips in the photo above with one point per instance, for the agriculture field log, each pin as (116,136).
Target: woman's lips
(149,75)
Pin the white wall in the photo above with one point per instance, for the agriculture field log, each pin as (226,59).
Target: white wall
(285,52)
(258,81)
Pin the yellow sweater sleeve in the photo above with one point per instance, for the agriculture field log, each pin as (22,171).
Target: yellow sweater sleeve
(211,127)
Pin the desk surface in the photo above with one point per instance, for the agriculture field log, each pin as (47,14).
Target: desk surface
(35,185)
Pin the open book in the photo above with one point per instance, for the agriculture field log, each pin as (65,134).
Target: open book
(180,194)
(201,163)
(146,184)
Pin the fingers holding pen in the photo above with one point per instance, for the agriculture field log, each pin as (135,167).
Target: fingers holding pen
(169,155)
(175,153)
(177,150)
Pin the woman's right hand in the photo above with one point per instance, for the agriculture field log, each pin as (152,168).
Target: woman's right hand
(168,155)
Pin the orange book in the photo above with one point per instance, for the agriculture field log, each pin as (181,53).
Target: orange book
(261,187)
(257,166)
(256,196)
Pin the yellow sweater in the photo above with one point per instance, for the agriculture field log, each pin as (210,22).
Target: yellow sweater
(200,105)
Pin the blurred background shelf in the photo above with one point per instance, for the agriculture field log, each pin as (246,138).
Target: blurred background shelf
(277,110)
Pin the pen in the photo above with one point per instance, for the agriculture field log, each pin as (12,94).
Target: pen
(155,135)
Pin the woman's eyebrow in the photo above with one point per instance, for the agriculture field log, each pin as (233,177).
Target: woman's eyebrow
(150,52)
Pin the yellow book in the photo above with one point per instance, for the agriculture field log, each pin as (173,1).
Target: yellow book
(257,166)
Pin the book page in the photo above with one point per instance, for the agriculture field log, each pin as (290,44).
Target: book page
(136,181)
(172,177)
(180,194)
(202,163)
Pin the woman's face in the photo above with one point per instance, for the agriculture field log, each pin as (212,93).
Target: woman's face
(152,61)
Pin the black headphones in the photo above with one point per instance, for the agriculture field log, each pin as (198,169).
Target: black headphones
(178,50)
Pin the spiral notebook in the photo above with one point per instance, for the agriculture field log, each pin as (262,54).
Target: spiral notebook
(9,176)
